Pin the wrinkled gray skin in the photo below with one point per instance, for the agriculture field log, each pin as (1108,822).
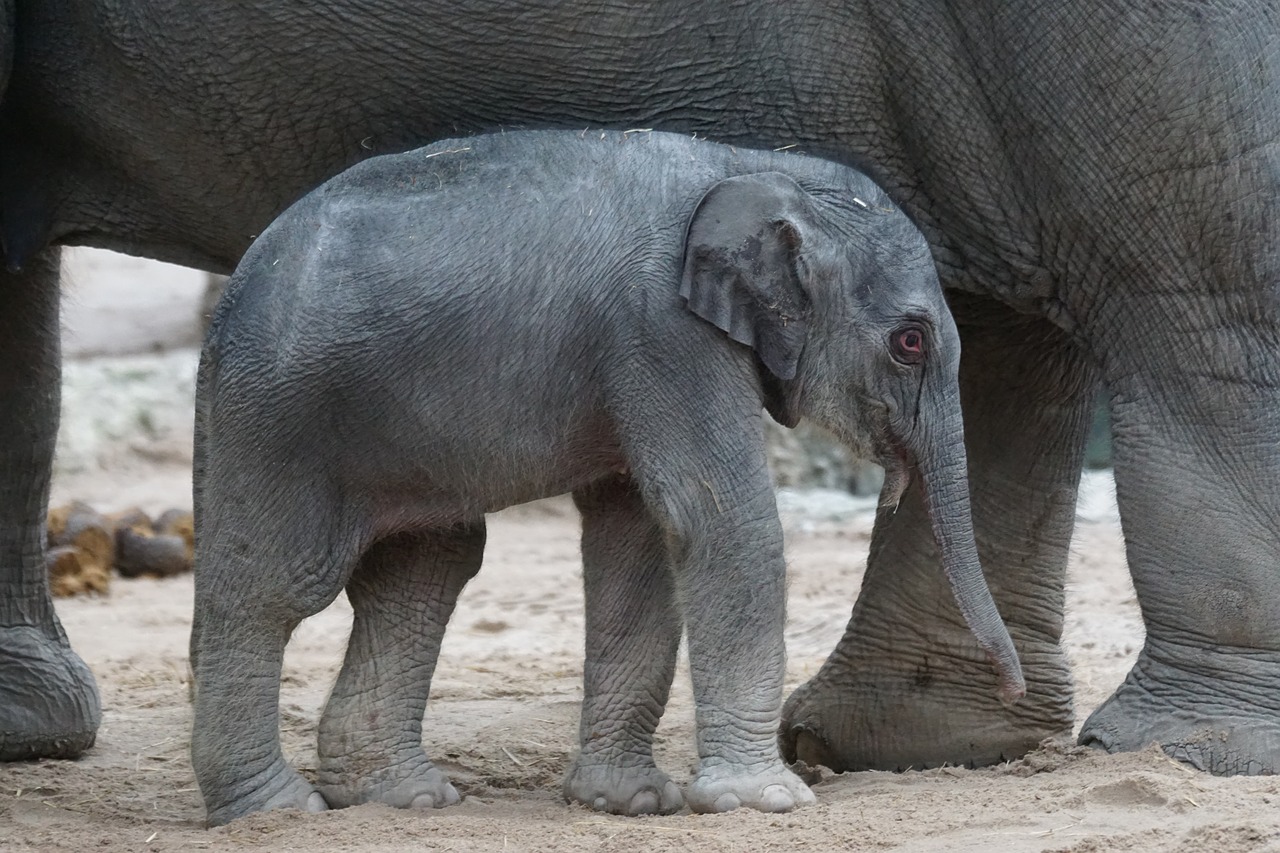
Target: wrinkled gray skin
(1097,182)
(436,335)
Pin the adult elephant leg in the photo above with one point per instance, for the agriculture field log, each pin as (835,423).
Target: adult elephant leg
(907,686)
(48,700)
(370,738)
(633,634)
(1198,484)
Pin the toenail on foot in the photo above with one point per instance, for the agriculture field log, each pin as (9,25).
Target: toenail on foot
(776,798)
(645,802)
(316,803)
(600,804)
(727,802)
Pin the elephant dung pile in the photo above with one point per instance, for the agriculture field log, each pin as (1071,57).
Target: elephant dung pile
(85,545)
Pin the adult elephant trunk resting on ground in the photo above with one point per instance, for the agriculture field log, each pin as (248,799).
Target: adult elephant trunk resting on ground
(1097,180)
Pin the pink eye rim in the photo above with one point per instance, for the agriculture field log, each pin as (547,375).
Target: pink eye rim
(907,344)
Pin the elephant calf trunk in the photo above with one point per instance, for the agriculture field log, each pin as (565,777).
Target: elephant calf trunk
(946,491)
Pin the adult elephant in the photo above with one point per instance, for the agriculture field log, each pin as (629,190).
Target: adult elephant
(1098,181)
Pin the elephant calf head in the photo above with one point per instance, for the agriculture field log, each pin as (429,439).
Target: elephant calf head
(838,296)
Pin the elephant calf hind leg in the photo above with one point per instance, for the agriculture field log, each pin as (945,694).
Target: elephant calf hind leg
(260,570)
(235,739)
(370,739)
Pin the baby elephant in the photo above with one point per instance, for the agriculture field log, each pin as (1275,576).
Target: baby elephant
(436,335)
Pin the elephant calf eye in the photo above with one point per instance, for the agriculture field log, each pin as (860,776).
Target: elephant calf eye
(907,345)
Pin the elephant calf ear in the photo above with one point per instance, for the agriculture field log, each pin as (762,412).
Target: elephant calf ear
(741,266)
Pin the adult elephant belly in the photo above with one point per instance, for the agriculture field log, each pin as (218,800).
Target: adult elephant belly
(1095,182)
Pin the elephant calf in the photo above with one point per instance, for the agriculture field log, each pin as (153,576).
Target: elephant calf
(436,335)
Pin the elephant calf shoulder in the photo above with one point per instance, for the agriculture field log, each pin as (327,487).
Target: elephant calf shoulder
(435,335)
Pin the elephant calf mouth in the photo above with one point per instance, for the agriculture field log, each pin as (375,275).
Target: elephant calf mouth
(897,464)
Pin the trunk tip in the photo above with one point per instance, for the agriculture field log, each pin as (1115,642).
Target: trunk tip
(1012,688)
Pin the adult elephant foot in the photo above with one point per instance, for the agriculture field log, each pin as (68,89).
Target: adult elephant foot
(1205,685)
(908,686)
(898,711)
(48,700)
(1212,710)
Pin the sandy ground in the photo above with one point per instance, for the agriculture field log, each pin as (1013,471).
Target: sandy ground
(503,713)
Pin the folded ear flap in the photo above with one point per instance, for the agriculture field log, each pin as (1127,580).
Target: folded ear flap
(742,265)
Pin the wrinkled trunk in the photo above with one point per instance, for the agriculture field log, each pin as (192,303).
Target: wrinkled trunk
(940,457)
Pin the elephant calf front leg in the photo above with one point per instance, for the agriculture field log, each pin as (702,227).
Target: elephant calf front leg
(633,634)
(370,738)
(726,545)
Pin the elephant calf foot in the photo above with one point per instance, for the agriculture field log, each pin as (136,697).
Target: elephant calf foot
(725,787)
(285,789)
(879,714)
(1210,715)
(48,700)
(416,784)
(618,789)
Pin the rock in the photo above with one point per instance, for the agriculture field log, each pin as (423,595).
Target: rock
(90,533)
(158,549)
(81,550)
(140,553)
(84,546)
(180,523)
(71,572)
(58,516)
(133,517)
